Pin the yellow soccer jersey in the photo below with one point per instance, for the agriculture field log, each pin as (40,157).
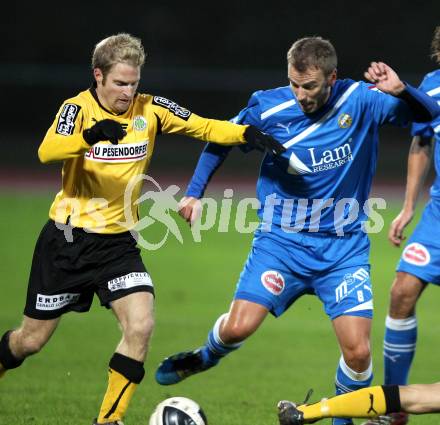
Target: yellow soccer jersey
(95,179)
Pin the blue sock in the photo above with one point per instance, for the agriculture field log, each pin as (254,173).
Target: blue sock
(348,380)
(399,348)
(214,348)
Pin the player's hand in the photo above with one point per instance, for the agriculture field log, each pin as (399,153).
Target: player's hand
(385,78)
(104,130)
(395,234)
(262,141)
(190,209)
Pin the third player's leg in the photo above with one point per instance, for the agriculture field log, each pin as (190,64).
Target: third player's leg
(420,398)
(405,292)
(401,328)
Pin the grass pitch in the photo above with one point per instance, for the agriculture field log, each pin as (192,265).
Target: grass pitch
(64,384)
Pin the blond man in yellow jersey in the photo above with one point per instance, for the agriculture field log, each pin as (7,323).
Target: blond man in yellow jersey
(105,136)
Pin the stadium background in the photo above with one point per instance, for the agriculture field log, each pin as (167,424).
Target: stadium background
(209,58)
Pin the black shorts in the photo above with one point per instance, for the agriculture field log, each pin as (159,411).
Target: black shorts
(66,275)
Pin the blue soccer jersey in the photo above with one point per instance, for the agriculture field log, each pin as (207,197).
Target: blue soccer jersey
(431,86)
(321,183)
(421,256)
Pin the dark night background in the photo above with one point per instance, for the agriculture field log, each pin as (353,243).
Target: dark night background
(207,56)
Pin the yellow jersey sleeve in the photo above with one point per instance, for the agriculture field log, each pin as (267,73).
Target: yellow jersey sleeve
(64,138)
(176,119)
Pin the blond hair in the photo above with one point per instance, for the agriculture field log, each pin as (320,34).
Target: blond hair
(119,48)
(312,52)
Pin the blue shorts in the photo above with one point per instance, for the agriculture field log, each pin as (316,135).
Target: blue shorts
(336,269)
(421,256)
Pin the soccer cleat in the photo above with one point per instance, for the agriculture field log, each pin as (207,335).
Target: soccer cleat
(399,418)
(288,413)
(179,366)
(95,422)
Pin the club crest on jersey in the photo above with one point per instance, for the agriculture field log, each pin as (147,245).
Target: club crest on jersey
(177,110)
(139,123)
(126,152)
(345,121)
(417,254)
(273,281)
(66,120)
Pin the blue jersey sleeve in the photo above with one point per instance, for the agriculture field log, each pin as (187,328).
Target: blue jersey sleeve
(214,155)
(423,129)
(386,109)
(210,160)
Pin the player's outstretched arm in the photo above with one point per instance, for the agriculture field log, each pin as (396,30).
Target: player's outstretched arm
(422,106)
(262,141)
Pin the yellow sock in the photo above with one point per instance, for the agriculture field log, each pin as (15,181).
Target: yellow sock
(364,403)
(117,397)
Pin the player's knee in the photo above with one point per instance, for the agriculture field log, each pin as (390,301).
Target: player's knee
(139,330)
(235,332)
(31,344)
(402,300)
(358,357)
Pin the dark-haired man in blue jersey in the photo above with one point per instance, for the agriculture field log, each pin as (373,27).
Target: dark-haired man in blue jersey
(314,203)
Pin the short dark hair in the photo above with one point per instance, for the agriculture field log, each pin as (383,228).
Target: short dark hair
(435,45)
(313,52)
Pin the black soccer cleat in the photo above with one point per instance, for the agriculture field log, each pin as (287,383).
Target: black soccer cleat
(288,414)
(95,422)
(179,366)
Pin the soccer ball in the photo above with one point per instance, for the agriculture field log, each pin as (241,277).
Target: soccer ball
(178,411)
